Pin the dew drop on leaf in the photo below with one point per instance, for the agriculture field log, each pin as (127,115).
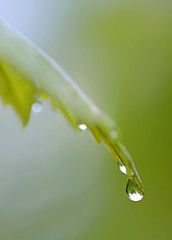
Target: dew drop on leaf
(82,127)
(133,191)
(36,107)
(122,168)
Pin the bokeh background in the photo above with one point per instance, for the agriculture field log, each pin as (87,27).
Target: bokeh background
(57,184)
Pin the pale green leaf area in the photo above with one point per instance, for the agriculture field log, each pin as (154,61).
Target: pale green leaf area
(27,74)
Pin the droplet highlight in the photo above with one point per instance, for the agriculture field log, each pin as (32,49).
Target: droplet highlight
(122,168)
(133,191)
(82,127)
(36,107)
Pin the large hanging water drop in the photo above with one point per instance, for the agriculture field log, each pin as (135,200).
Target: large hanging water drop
(122,168)
(133,191)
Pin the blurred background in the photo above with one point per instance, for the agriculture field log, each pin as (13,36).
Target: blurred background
(57,184)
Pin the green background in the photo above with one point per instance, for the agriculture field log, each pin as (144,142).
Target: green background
(57,184)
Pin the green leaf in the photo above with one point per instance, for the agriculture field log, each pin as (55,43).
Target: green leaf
(18,90)
(27,73)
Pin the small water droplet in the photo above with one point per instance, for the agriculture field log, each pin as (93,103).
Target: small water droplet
(36,107)
(133,191)
(82,127)
(122,168)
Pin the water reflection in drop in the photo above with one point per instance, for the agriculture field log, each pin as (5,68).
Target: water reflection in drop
(135,196)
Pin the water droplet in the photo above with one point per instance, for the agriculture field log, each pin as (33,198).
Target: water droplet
(82,127)
(122,168)
(36,107)
(133,191)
